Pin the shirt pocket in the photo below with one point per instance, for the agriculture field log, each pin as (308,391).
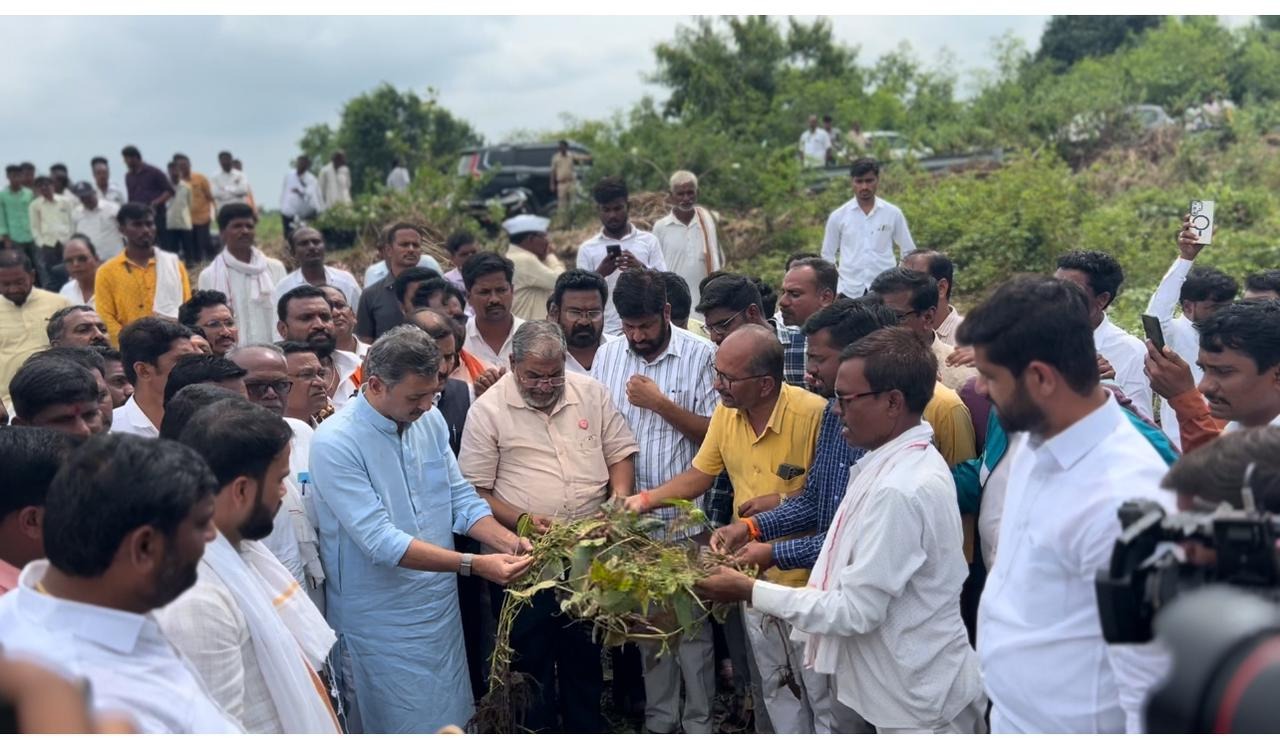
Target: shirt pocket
(1041,581)
(589,470)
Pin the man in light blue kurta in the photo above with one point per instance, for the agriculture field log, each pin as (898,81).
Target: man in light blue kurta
(388,499)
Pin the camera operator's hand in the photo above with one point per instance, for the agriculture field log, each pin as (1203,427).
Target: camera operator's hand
(1170,375)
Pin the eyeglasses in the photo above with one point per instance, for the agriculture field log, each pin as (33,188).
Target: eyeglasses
(726,380)
(258,389)
(536,381)
(219,324)
(722,326)
(577,314)
(848,399)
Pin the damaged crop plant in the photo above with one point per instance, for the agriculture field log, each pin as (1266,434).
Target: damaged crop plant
(610,571)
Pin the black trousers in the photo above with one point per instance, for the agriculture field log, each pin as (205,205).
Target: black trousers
(477,621)
(564,662)
(204,242)
(183,242)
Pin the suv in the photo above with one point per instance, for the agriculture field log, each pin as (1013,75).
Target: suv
(522,181)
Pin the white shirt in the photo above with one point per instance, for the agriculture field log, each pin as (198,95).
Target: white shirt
(335,186)
(378,271)
(991,508)
(639,243)
(346,364)
(129,418)
(114,193)
(101,227)
(398,180)
(71,290)
(685,374)
(1046,666)
(903,657)
(229,188)
(130,665)
(295,205)
(335,277)
(861,245)
(571,364)
(1179,334)
(685,248)
(476,346)
(1127,355)
(256,318)
(210,630)
(814,144)
(946,331)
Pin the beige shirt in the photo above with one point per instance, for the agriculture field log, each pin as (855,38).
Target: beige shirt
(22,333)
(952,377)
(562,167)
(553,464)
(534,281)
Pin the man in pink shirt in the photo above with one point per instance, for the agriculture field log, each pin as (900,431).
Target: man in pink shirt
(32,457)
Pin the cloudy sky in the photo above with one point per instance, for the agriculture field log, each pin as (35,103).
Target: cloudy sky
(78,87)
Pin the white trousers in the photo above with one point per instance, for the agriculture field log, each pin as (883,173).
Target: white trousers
(689,663)
(803,706)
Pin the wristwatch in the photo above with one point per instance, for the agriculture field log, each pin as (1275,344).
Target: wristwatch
(464,568)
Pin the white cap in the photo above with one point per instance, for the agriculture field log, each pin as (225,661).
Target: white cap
(526,223)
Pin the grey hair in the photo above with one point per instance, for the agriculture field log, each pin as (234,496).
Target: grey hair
(680,177)
(401,351)
(540,338)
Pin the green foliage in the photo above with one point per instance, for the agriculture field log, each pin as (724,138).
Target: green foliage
(384,124)
(1069,38)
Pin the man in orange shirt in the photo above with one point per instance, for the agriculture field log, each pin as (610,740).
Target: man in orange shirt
(201,206)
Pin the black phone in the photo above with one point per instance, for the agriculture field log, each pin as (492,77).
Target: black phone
(787,472)
(1155,333)
(615,251)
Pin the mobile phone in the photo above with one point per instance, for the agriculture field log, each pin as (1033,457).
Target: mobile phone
(1202,221)
(1155,333)
(615,251)
(787,472)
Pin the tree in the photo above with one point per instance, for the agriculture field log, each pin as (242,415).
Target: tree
(377,127)
(1069,38)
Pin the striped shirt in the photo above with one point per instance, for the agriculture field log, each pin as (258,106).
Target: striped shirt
(813,509)
(685,372)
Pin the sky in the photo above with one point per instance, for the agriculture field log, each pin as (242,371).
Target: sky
(76,87)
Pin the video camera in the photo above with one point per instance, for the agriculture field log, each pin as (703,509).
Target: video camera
(1146,571)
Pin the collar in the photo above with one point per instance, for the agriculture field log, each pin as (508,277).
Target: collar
(919,435)
(133,413)
(511,394)
(853,205)
(1074,443)
(346,362)
(513,246)
(116,630)
(367,414)
(780,407)
(674,347)
(631,232)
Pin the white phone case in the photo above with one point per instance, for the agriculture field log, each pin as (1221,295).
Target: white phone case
(1202,221)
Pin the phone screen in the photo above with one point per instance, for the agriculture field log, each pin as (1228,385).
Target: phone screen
(614,250)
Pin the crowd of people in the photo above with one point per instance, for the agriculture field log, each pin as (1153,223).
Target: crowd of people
(289,501)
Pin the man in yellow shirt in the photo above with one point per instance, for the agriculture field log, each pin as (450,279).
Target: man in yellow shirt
(763,433)
(24,315)
(141,281)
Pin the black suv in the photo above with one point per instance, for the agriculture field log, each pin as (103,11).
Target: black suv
(522,181)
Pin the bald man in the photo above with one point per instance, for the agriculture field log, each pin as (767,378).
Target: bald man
(763,433)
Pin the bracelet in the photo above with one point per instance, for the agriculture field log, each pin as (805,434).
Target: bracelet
(464,567)
(753,530)
(782,497)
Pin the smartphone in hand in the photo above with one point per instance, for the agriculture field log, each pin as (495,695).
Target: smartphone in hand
(1155,333)
(614,251)
(1202,221)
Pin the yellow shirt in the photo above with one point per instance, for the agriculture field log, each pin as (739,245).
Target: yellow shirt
(753,460)
(953,435)
(533,282)
(123,292)
(952,425)
(22,332)
(201,199)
